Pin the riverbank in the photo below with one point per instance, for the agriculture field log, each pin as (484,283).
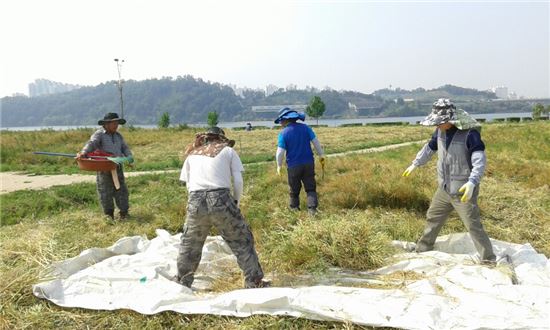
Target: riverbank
(487,117)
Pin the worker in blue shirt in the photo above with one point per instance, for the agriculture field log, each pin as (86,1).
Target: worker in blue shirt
(295,141)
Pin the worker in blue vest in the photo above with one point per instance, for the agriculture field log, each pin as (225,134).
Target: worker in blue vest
(460,167)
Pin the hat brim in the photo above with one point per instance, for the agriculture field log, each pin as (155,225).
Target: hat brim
(290,115)
(121,121)
(434,120)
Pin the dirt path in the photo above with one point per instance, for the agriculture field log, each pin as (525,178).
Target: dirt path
(13,181)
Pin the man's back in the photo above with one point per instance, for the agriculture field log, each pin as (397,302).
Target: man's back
(204,172)
(295,138)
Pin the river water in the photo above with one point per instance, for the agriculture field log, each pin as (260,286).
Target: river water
(329,122)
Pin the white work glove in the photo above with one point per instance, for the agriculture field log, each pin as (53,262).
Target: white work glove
(409,170)
(279,170)
(468,190)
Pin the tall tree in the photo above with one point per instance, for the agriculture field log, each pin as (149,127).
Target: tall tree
(212,119)
(164,120)
(316,108)
(538,110)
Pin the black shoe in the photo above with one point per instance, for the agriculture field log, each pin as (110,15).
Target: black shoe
(257,284)
(124,216)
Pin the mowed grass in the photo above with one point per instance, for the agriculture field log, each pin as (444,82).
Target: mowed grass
(156,149)
(364,204)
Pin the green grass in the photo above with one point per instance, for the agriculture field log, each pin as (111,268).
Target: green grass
(364,204)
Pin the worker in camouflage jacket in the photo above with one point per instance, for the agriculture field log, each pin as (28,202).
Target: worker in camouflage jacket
(460,167)
(210,164)
(108,140)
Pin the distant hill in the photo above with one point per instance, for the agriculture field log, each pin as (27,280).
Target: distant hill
(188,100)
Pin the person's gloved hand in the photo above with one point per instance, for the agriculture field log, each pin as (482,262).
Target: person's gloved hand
(323,161)
(409,170)
(468,190)
(279,170)
(130,159)
(80,155)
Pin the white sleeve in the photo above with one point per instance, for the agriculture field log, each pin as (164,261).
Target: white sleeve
(238,185)
(479,161)
(318,147)
(423,156)
(236,172)
(279,155)
(184,176)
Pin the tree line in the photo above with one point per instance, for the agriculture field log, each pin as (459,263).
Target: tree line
(186,99)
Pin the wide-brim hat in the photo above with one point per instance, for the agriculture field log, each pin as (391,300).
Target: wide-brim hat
(215,130)
(110,117)
(443,111)
(288,113)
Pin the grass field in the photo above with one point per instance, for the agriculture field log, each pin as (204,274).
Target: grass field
(364,204)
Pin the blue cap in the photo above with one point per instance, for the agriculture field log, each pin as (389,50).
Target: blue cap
(288,113)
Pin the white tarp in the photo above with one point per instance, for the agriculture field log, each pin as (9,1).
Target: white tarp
(451,290)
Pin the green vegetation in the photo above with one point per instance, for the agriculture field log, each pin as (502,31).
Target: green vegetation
(316,108)
(539,111)
(159,149)
(364,204)
(164,120)
(188,100)
(212,119)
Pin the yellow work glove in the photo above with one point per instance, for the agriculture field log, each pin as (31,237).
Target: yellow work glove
(467,191)
(279,170)
(409,170)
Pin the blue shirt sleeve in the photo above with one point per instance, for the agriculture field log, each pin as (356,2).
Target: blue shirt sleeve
(474,142)
(312,135)
(281,141)
(433,141)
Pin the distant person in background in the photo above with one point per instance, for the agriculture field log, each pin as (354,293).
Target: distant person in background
(108,140)
(295,141)
(210,165)
(248,126)
(460,167)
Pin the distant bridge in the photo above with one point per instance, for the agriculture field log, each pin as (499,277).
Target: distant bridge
(276,108)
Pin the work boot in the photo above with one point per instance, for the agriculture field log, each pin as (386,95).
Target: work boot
(124,215)
(257,284)
(110,214)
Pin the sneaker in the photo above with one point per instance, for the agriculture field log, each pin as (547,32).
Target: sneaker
(488,263)
(257,284)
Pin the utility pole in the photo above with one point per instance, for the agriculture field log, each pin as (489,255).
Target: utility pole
(119,68)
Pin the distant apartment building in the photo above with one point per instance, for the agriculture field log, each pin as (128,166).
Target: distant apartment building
(270,89)
(45,87)
(291,87)
(501,92)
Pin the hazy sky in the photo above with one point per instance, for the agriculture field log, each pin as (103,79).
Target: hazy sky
(353,45)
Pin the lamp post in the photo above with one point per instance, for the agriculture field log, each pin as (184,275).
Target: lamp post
(119,68)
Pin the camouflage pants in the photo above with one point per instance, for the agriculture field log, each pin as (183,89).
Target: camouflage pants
(216,207)
(107,192)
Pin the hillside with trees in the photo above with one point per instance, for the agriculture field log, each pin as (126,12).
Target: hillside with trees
(186,99)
